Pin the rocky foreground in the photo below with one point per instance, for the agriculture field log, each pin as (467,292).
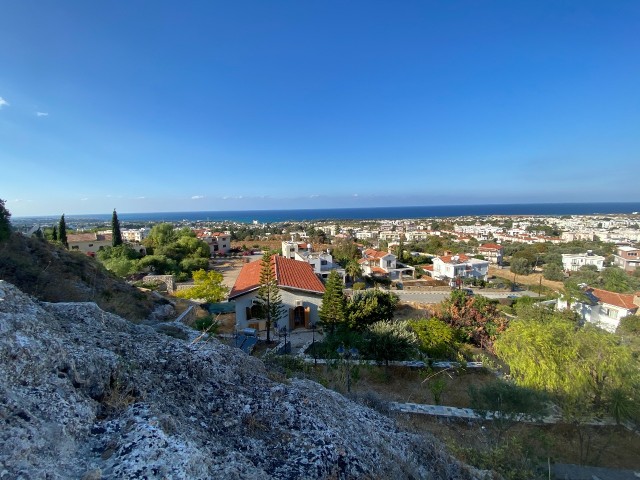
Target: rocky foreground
(86,394)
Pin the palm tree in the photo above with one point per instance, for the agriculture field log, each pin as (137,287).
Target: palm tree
(353,269)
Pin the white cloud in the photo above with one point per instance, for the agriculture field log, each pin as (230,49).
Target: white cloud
(84,199)
(42,114)
(355,194)
(140,198)
(3,102)
(197,197)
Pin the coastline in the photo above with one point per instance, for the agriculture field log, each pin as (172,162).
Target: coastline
(359,214)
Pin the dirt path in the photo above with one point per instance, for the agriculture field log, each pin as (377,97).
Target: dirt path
(532,279)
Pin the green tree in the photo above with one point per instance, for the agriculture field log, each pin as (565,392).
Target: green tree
(271,307)
(629,325)
(5,223)
(160,235)
(581,366)
(553,272)
(191,264)
(332,310)
(572,293)
(353,269)
(54,233)
(62,232)
(158,264)
(387,340)
(520,266)
(370,306)
(207,286)
(436,338)
(116,234)
(617,280)
(121,260)
(344,251)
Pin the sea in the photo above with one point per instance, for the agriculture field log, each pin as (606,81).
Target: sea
(370,213)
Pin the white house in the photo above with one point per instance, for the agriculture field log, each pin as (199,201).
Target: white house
(321,262)
(450,267)
(383,264)
(492,252)
(135,235)
(219,243)
(300,290)
(604,308)
(572,262)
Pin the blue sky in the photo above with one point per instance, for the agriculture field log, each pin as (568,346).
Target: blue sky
(184,106)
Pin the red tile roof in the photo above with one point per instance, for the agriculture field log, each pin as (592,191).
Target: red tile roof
(490,246)
(624,300)
(289,274)
(461,258)
(88,237)
(371,253)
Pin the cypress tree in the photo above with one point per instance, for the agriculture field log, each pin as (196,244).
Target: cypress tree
(332,310)
(269,294)
(5,225)
(54,234)
(116,235)
(62,232)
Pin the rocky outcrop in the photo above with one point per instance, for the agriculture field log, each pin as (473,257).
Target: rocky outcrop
(86,394)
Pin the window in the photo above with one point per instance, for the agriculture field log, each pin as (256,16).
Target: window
(323,262)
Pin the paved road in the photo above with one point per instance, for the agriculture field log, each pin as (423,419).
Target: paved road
(437,297)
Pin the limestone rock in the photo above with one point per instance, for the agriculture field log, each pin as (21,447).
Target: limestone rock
(87,394)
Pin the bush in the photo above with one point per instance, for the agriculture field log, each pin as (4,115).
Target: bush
(629,325)
(436,338)
(209,324)
(359,286)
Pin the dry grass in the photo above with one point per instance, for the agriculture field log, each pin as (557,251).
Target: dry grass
(401,384)
(532,279)
(611,447)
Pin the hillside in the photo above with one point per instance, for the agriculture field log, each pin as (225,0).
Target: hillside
(87,394)
(53,274)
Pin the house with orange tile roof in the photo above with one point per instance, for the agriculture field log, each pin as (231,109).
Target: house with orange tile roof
(219,242)
(492,252)
(300,290)
(89,243)
(451,267)
(376,263)
(604,308)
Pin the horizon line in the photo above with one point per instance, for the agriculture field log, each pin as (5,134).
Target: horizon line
(337,208)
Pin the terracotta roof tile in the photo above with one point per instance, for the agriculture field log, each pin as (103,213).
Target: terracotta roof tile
(624,300)
(289,274)
(490,246)
(248,279)
(82,237)
(371,253)
(461,258)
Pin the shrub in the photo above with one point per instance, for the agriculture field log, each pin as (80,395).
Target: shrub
(209,324)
